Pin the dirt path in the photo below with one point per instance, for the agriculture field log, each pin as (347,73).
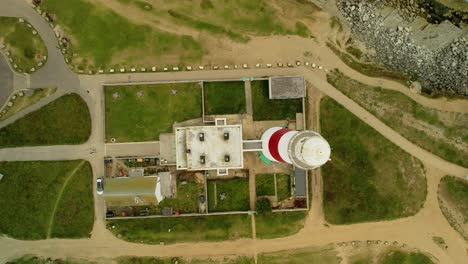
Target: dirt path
(59,196)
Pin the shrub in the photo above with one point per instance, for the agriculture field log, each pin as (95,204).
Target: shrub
(263,206)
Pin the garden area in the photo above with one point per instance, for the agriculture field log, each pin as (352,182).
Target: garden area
(64,121)
(278,109)
(142,112)
(23,101)
(228,195)
(187,197)
(182,229)
(266,185)
(43,199)
(224,97)
(439,132)
(368,178)
(25,48)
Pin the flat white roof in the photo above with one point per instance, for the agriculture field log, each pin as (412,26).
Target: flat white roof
(209,147)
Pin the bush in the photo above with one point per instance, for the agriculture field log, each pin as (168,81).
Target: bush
(263,206)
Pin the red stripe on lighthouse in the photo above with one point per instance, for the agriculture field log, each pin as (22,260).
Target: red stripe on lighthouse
(274,142)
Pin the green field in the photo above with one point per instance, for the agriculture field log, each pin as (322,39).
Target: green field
(277,109)
(134,118)
(281,224)
(453,192)
(153,260)
(74,216)
(442,133)
(265,184)
(236,192)
(22,102)
(326,255)
(400,257)
(40,260)
(224,97)
(46,198)
(183,229)
(26,49)
(105,38)
(63,121)
(368,177)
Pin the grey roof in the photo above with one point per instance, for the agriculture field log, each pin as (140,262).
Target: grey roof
(300,183)
(165,179)
(286,87)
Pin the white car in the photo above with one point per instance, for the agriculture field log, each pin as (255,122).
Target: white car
(100,186)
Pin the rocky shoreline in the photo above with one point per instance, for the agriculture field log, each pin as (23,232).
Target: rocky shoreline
(442,70)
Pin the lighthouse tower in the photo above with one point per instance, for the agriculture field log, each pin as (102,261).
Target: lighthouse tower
(305,149)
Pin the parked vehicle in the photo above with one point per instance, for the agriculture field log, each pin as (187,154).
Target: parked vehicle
(110,214)
(100,185)
(144,213)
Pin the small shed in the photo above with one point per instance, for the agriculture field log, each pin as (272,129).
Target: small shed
(300,182)
(286,87)
(125,191)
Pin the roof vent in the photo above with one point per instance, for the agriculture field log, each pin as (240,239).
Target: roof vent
(226,135)
(201,136)
(202,159)
(227,158)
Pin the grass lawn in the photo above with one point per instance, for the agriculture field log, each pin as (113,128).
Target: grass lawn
(63,121)
(134,118)
(224,97)
(453,200)
(74,217)
(368,178)
(105,38)
(283,185)
(368,69)
(326,255)
(281,224)
(23,102)
(442,133)
(154,260)
(183,229)
(277,109)
(30,190)
(400,257)
(26,49)
(186,200)
(265,185)
(237,195)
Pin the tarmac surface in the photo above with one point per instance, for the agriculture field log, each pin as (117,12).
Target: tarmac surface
(6,80)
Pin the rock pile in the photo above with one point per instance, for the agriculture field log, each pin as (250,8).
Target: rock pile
(443,70)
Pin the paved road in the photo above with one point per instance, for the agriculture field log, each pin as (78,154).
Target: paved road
(55,72)
(6,80)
